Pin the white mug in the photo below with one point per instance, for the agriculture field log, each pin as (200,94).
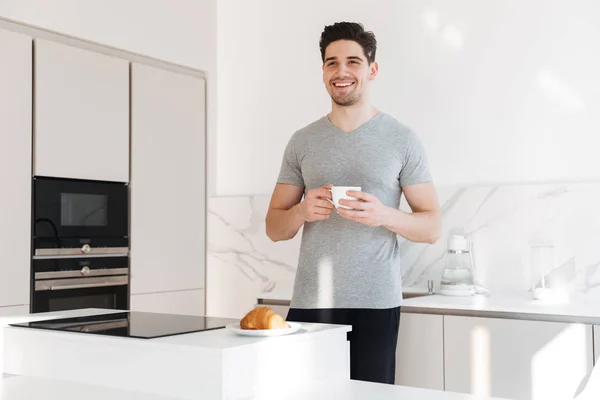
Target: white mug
(339,192)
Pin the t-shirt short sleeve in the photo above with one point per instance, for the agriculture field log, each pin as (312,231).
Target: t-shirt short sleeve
(290,171)
(415,168)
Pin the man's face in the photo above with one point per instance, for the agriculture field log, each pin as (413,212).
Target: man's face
(346,72)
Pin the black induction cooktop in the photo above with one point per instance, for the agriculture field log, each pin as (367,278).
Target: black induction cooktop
(132,324)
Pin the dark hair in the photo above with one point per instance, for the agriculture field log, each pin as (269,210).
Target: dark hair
(349,31)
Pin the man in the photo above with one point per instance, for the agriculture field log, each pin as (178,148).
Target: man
(349,266)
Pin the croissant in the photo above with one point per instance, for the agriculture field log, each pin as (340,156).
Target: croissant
(263,318)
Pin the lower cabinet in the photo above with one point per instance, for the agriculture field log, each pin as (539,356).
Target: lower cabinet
(420,351)
(495,357)
(190,302)
(516,359)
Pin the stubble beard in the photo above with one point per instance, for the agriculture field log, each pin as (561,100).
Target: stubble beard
(348,100)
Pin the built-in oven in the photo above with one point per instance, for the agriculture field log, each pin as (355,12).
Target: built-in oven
(73,282)
(79,217)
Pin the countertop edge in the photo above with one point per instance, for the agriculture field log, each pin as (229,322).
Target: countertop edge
(525,316)
(479,313)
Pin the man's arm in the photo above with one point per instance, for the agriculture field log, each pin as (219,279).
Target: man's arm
(287,213)
(423,225)
(284,218)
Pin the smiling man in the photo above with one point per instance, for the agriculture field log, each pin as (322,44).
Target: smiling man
(349,265)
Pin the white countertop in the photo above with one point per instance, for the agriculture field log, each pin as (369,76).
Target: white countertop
(217,339)
(285,296)
(517,305)
(13,319)
(27,388)
(507,305)
(358,390)
(278,296)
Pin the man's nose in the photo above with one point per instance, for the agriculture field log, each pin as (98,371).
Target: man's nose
(341,70)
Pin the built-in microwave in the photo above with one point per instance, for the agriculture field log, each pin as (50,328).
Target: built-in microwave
(79,217)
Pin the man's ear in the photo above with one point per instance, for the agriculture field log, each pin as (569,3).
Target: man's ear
(374,70)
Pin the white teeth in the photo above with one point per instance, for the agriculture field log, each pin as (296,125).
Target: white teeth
(343,84)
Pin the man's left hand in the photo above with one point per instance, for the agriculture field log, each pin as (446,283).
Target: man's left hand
(367,209)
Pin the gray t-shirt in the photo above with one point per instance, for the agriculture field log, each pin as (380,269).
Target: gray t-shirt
(342,263)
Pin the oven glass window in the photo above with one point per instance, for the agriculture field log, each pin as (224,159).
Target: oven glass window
(92,301)
(80,209)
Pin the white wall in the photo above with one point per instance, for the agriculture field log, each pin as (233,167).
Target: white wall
(178,31)
(499,90)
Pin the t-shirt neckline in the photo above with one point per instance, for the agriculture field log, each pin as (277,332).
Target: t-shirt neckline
(358,129)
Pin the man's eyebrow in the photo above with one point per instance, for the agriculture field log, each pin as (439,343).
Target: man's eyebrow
(350,58)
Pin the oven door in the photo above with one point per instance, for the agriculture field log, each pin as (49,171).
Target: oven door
(76,216)
(108,292)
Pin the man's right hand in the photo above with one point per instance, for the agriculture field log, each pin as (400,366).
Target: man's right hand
(314,207)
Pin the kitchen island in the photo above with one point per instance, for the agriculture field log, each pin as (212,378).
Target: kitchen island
(187,366)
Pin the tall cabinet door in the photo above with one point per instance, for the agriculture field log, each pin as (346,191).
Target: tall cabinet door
(15,167)
(168,205)
(81,113)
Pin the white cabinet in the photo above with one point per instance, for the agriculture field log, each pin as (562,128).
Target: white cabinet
(81,113)
(516,359)
(182,302)
(168,204)
(420,351)
(15,167)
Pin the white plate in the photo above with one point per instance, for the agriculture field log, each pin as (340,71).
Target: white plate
(294,326)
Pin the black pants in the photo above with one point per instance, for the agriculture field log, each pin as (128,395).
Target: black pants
(372,341)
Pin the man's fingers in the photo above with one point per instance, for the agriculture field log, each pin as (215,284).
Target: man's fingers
(326,213)
(323,191)
(324,204)
(359,205)
(352,213)
(322,210)
(360,195)
(320,217)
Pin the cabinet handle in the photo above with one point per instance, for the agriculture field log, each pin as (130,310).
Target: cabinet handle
(83,286)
